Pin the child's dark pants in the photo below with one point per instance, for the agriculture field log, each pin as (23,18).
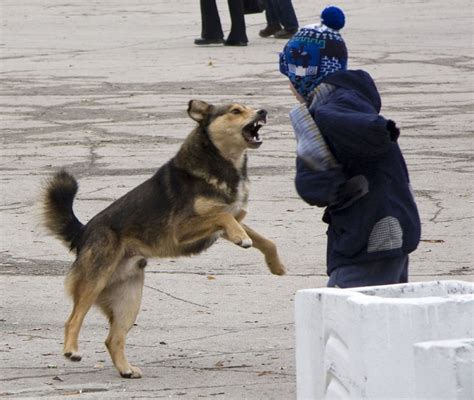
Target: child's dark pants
(379,272)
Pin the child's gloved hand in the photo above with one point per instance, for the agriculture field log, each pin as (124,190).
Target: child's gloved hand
(318,188)
(350,191)
(394,131)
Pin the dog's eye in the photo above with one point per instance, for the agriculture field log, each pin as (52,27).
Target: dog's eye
(236,111)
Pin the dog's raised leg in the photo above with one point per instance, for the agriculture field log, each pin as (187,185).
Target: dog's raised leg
(268,248)
(121,303)
(234,232)
(203,226)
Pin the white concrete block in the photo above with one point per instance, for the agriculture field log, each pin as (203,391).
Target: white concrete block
(445,369)
(358,343)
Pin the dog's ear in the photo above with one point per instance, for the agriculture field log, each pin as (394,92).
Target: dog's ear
(198,110)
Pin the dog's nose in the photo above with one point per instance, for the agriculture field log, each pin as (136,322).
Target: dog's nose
(262,112)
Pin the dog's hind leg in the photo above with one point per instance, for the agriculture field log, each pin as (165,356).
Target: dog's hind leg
(269,250)
(88,277)
(121,303)
(84,295)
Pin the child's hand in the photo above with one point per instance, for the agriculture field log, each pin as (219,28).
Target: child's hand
(351,191)
(394,131)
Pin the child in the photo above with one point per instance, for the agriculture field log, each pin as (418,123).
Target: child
(348,160)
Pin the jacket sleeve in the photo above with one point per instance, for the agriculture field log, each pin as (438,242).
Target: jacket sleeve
(311,146)
(318,188)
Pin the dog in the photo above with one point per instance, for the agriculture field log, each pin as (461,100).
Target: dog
(199,195)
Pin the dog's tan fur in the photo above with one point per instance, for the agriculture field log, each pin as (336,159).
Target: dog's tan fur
(198,196)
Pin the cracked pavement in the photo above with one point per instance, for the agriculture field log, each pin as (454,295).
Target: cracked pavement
(102,88)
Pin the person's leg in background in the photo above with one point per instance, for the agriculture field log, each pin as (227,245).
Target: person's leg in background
(211,24)
(287,17)
(273,23)
(237,35)
(388,271)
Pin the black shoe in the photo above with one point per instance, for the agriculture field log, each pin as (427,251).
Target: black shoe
(234,43)
(270,30)
(286,33)
(203,41)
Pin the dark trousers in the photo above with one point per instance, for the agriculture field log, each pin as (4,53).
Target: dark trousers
(211,23)
(387,271)
(281,12)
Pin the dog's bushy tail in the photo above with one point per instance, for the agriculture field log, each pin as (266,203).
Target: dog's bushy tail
(58,214)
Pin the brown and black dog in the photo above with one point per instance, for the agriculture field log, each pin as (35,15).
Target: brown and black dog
(198,196)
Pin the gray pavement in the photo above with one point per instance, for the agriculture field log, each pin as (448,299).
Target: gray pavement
(102,88)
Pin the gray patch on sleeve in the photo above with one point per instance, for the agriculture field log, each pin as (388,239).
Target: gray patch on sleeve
(386,234)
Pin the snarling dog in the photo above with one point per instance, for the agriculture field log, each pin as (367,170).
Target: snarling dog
(198,196)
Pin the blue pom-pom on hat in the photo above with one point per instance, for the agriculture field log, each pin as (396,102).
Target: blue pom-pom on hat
(333,18)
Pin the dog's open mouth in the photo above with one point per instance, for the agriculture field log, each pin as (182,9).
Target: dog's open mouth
(250,131)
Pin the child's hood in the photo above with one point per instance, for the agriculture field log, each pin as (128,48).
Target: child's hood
(359,81)
(350,120)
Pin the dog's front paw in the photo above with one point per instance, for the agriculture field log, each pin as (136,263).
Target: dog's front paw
(276,267)
(131,373)
(278,270)
(245,243)
(241,240)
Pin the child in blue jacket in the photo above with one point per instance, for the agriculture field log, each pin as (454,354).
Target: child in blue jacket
(348,160)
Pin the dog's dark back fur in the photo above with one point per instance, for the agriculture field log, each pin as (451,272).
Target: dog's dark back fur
(145,212)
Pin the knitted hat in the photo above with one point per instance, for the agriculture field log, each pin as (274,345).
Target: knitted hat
(314,52)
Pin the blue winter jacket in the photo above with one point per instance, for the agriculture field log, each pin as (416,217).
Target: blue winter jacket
(370,207)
